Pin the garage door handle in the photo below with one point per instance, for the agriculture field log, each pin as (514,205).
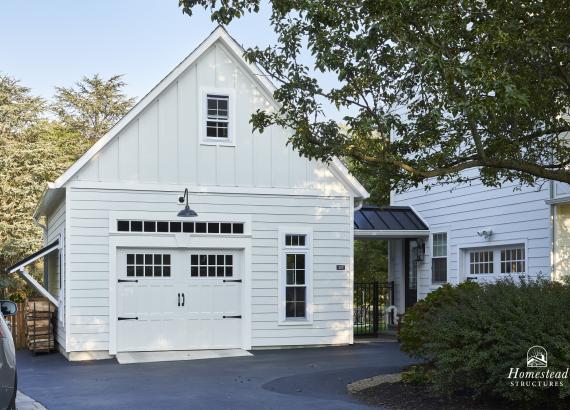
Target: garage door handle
(232,317)
(128,280)
(183,299)
(232,280)
(127,318)
(179,299)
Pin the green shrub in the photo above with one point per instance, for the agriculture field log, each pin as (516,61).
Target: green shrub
(471,335)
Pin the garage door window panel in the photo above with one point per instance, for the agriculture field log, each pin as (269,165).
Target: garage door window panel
(211,265)
(148,265)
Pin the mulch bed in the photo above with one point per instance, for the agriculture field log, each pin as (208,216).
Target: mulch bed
(408,396)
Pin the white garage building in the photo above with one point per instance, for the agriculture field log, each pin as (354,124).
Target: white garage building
(267,261)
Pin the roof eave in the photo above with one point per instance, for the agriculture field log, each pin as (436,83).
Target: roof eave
(389,234)
(50,194)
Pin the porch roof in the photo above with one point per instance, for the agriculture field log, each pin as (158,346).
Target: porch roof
(374,222)
(20,267)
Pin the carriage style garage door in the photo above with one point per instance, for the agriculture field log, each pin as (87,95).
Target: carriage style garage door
(178,299)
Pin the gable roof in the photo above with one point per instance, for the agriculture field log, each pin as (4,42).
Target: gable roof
(260,78)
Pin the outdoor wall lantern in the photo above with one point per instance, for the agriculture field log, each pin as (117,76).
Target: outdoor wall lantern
(486,234)
(186,212)
(421,250)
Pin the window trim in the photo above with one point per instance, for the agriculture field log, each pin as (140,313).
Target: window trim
(203,110)
(307,250)
(434,282)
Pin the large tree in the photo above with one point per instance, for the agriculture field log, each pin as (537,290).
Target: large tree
(93,105)
(33,151)
(470,85)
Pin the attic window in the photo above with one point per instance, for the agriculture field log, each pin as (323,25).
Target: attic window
(217,117)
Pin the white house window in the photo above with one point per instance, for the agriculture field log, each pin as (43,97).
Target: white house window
(513,260)
(505,259)
(480,262)
(296,285)
(295,253)
(295,240)
(439,257)
(217,117)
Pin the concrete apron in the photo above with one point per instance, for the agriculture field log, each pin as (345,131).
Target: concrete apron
(176,355)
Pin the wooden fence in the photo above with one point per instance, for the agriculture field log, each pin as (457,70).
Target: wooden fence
(17,325)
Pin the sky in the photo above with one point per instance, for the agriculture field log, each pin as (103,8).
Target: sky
(55,43)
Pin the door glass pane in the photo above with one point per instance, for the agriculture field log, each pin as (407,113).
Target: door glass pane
(413,268)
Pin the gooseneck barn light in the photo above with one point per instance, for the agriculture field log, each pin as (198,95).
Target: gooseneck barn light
(186,212)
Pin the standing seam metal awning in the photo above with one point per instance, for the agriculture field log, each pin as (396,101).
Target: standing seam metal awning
(373,222)
(20,267)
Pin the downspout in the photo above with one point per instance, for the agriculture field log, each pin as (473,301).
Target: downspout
(358,203)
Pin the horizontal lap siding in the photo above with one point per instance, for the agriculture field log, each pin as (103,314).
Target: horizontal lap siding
(55,226)
(329,217)
(515,216)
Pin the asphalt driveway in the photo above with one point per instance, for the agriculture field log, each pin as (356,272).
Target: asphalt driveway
(276,379)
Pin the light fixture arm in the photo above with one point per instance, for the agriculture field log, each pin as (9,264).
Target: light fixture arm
(186,212)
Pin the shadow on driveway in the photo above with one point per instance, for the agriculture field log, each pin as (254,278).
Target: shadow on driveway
(313,379)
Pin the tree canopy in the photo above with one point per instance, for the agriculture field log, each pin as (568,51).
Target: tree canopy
(93,106)
(433,88)
(33,151)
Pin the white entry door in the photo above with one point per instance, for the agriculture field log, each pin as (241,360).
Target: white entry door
(171,299)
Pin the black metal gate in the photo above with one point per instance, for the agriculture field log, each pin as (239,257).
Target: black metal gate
(370,303)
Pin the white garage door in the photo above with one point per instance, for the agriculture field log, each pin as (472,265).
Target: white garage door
(178,299)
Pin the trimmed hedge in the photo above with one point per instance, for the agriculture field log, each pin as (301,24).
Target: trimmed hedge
(471,335)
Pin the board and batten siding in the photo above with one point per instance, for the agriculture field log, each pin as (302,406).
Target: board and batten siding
(162,144)
(515,216)
(329,217)
(55,223)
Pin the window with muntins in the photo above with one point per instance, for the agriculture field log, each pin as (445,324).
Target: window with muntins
(513,260)
(296,285)
(480,262)
(217,117)
(233,228)
(505,259)
(211,265)
(296,255)
(439,257)
(148,264)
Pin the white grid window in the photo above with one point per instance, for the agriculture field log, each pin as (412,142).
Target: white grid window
(295,240)
(497,260)
(440,244)
(439,257)
(296,285)
(295,289)
(480,262)
(148,264)
(217,116)
(208,265)
(513,260)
